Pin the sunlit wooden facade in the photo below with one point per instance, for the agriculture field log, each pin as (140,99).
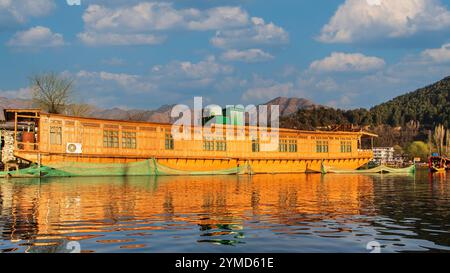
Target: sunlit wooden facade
(114,141)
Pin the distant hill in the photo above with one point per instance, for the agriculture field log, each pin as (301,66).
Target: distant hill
(429,106)
(14,103)
(160,115)
(289,106)
(426,106)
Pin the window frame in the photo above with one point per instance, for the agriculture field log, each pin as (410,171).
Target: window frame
(129,140)
(56,135)
(111,139)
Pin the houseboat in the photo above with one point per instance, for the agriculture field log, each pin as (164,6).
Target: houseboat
(60,145)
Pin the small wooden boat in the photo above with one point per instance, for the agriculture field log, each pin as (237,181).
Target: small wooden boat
(437,170)
(378,169)
(438,164)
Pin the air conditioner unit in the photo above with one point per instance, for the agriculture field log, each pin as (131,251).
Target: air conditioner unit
(74,148)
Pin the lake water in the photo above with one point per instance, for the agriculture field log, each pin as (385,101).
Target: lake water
(263,213)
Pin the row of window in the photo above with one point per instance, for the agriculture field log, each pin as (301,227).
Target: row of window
(214,145)
(111,140)
(346,146)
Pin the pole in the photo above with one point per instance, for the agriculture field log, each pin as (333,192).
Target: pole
(15,129)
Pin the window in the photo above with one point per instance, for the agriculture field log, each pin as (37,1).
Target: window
(283,146)
(55,135)
(293,146)
(129,140)
(255,145)
(208,144)
(346,146)
(221,144)
(322,146)
(110,139)
(169,143)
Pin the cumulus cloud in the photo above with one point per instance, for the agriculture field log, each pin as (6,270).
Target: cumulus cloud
(141,17)
(344,62)
(103,81)
(21,93)
(139,23)
(13,12)
(149,23)
(219,18)
(173,82)
(186,74)
(115,39)
(268,92)
(260,89)
(438,55)
(359,20)
(36,37)
(258,33)
(248,56)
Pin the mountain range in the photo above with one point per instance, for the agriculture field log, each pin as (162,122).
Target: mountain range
(427,106)
(288,106)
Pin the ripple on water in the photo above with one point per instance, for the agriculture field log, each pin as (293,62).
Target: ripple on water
(263,213)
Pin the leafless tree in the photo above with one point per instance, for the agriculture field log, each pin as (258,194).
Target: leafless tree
(79,110)
(51,92)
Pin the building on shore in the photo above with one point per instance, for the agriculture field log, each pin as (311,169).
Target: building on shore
(383,155)
(76,146)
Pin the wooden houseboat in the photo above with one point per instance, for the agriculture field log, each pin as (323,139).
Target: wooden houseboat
(60,145)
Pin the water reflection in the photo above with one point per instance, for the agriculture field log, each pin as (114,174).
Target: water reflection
(263,213)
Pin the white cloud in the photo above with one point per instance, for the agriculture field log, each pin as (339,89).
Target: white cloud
(258,33)
(206,69)
(36,37)
(268,92)
(141,17)
(148,23)
(219,18)
(173,80)
(13,12)
(343,62)
(103,81)
(261,89)
(438,55)
(249,55)
(358,20)
(22,93)
(115,39)
(139,23)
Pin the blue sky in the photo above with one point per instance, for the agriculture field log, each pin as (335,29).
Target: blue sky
(143,54)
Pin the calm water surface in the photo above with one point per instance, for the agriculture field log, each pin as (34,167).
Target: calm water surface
(263,213)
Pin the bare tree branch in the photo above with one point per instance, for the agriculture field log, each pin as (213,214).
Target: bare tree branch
(51,92)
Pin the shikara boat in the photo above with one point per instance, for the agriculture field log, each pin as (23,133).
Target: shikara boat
(378,169)
(438,164)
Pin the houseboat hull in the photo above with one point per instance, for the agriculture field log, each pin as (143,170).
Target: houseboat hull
(76,166)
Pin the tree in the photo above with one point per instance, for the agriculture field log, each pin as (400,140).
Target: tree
(398,150)
(79,110)
(439,134)
(51,92)
(417,149)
